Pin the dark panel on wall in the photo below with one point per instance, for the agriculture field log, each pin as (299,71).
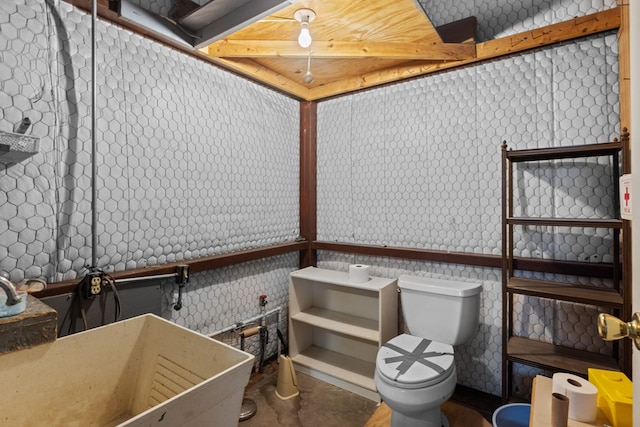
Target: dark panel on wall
(135,299)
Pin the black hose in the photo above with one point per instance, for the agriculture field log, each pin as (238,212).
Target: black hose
(264,339)
(178,305)
(285,347)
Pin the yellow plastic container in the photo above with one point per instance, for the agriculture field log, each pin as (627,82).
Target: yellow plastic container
(614,396)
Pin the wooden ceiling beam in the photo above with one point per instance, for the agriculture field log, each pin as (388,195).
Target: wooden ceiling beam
(230,48)
(577,27)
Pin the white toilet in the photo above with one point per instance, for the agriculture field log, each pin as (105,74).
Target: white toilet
(415,374)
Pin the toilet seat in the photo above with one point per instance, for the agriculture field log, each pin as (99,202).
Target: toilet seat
(408,361)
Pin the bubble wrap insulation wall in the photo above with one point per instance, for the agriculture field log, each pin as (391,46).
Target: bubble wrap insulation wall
(417,164)
(192,161)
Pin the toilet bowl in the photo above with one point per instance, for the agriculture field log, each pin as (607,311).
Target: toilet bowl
(414,376)
(415,372)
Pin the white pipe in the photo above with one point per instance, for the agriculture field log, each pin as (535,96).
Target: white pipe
(141,278)
(244,322)
(94,166)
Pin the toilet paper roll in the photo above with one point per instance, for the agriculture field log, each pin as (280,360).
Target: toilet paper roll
(559,410)
(583,396)
(358,273)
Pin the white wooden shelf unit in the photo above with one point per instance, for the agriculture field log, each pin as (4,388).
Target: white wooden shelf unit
(337,326)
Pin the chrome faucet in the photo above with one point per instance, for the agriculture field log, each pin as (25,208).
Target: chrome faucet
(10,290)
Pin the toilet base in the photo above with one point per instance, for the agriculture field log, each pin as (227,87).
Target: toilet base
(433,418)
(416,407)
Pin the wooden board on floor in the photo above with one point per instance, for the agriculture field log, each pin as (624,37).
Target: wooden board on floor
(458,416)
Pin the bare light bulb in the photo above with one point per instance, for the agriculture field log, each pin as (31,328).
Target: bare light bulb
(304,39)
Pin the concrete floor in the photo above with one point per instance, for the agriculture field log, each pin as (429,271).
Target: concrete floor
(322,404)
(319,404)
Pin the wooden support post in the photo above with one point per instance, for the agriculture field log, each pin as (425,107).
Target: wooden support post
(308,179)
(624,66)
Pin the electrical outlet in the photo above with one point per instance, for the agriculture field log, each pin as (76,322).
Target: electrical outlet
(92,285)
(96,285)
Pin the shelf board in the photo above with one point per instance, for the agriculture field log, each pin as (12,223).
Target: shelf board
(600,270)
(553,153)
(346,368)
(347,324)
(566,222)
(341,278)
(557,358)
(599,297)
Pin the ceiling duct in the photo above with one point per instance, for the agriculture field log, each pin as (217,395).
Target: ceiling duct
(206,24)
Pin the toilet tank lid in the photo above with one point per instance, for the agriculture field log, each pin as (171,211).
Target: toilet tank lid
(439,286)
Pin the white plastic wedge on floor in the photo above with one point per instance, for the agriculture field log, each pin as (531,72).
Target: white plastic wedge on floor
(287,383)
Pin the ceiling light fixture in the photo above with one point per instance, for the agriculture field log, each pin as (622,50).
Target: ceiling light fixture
(304,17)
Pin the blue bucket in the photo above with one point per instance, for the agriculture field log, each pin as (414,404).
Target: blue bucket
(512,415)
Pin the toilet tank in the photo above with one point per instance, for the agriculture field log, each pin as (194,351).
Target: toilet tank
(442,310)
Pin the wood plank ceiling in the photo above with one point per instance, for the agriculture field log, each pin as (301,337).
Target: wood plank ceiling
(356,44)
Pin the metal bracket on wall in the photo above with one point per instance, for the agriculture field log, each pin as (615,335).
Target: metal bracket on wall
(16,147)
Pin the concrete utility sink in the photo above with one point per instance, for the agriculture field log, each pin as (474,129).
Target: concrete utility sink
(26,324)
(144,371)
